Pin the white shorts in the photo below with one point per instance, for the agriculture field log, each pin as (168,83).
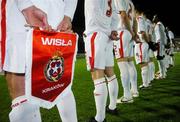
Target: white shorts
(16,32)
(99,51)
(131,48)
(122,47)
(141,52)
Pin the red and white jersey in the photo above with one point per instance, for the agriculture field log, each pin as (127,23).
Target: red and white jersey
(160,35)
(98,16)
(128,7)
(141,27)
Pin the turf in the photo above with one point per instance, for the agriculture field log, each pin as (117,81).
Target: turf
(160,103)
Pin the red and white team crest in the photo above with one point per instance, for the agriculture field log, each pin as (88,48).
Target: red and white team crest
(54,68)
(49,66)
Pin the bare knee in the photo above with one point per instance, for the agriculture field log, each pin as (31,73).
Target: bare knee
(109,71)
(97,74)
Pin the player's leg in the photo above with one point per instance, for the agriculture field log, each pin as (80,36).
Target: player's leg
(113,89)
(152,70)
(22,110)
(125,79)
(172,56)
(133,71)
(144,75)
(144,54)
(161,62)
(164,62)
(111,79)
(122,53)
(95,55)
(172,60)
(151,65)
(67,108)
(133,79)
(15,62)
(100,93)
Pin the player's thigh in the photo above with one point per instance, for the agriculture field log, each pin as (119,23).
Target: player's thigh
(145,52)
(95,47)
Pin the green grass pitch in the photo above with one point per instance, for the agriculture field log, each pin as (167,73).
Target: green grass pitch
(160,103)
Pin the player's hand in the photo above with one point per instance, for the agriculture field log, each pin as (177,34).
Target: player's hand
(114,35)
(36,18)
(65,25)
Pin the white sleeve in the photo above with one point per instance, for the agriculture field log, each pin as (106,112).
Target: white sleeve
(141,25)
(22,4)
(70,7)
(120,5)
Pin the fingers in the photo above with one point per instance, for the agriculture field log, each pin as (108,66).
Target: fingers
(46,26)
(65,25)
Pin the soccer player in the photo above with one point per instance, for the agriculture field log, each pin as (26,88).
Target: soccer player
(149,27)
(142,49)
(48,15)
(99,55)
(172,45)
(160,38)
(123,48)
(133,74)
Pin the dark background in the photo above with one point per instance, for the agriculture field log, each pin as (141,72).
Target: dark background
(167,10)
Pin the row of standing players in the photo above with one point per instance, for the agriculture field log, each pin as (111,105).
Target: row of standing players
(117,26)
(114,19)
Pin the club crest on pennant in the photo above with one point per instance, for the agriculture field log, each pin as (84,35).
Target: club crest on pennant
(54,68)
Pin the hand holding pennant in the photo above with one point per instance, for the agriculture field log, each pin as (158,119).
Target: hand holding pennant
(49,66)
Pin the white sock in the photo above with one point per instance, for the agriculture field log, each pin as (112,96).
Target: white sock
(153,70)
(113,89)
(100,95)
(67,108)
(125,78)
(144,74)
(23,111)
(160,65)
(133,77)
(164,70)
(149,72)
(171,61)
